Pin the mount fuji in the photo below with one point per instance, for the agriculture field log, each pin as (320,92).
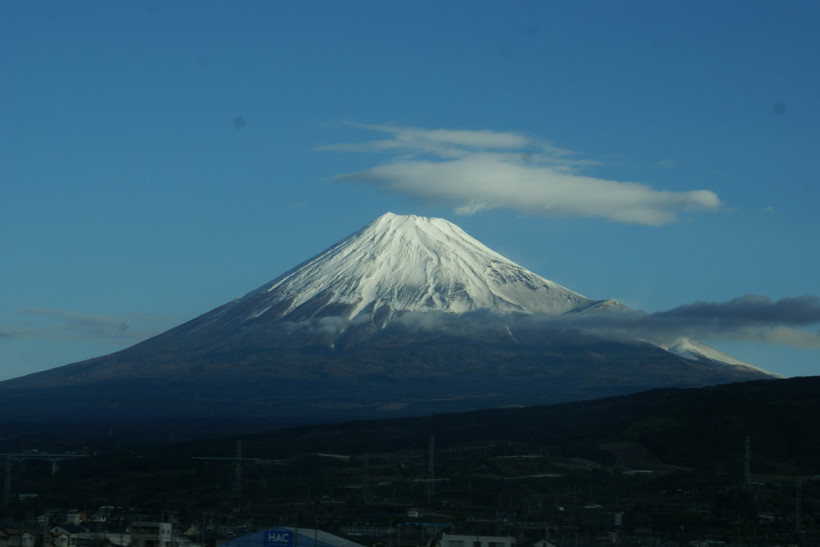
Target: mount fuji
(407,316)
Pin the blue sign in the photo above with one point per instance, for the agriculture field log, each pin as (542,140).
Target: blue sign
(278,537)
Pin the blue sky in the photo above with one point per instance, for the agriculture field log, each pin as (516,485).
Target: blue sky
(158,159)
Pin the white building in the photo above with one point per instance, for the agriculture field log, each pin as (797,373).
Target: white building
(151,534)
(285,536)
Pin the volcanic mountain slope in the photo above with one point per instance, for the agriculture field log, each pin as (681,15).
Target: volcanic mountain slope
(408,315)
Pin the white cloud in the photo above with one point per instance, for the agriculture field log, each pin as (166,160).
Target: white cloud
(481,170)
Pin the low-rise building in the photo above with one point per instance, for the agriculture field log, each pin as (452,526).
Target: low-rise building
(451,540)
(284,536)
(151,534)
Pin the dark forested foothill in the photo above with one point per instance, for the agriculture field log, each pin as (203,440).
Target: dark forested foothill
(718,462)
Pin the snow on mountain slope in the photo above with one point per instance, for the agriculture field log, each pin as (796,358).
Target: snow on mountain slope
(401,263)
(694,350)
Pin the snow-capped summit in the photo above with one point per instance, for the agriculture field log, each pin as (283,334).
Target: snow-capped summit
(401,263)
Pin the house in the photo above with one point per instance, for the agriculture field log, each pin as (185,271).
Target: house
(12,537)
(58,538)
(68,535)
(74,517)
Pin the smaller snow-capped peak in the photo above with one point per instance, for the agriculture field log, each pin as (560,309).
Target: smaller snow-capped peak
(608,305)
(698,351)
(401,263)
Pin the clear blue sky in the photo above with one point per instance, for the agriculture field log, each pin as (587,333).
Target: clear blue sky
(160,158)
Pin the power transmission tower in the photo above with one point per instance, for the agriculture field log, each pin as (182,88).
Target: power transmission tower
(431,468)
(366,477)
(7,484)
(798,507)
(236,494)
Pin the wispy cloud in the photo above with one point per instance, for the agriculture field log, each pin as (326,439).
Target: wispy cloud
(58,324)
(751,310)
(481,170)
(749,318)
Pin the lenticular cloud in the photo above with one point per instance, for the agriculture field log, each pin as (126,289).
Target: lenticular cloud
(481,170)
